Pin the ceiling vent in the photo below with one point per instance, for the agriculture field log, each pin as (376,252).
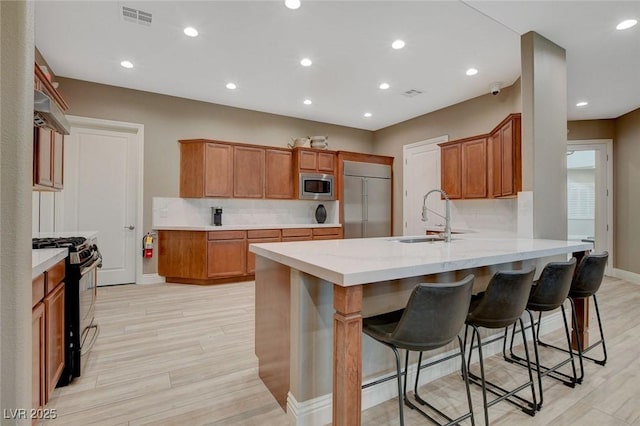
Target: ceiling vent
(412,93)
(136,16)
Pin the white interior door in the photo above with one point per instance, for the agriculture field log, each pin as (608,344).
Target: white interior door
(421,173)
(101,194)
(589,194)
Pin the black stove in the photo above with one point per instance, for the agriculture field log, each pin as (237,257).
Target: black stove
(81,330)
(80,249)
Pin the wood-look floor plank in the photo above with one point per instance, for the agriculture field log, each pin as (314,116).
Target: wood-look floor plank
(184,355)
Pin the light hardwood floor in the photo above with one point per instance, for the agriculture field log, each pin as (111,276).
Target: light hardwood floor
(183,355)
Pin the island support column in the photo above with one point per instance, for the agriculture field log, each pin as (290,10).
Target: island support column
(347,355)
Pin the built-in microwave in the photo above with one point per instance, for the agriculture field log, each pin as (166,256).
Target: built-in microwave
(316,186)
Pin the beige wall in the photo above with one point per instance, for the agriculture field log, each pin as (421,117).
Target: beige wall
(473,117)
(591,129)
(626,177)
(167,119)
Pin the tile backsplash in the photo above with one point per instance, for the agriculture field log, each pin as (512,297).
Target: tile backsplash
(236,211)
(492,214)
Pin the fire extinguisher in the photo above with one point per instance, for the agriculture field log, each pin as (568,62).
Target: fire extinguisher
(147,245)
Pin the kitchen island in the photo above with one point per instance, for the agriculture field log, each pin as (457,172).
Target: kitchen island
(311,298)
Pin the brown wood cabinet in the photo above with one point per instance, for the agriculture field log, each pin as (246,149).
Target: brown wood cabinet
(48,335)
(206,170)
(297,234)
(505,159)
(474,168)
(48,145)
(451,170)
(54,332)
(38,346)
(278,173)
(256,236)
(484,166)
(314,161)
(248,172)
(211,257)
(226,254)
(327,233)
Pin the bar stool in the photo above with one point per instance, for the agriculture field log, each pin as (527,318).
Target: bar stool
(586,282)
(548,293)
(501,306)
(433,317)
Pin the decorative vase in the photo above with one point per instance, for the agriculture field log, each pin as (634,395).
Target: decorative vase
(321,213)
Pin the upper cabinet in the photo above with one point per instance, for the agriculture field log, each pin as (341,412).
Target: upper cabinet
(314,161)
(464,168)
(224,169)
(48,144)
(484,166)
(505,159)
(248,172)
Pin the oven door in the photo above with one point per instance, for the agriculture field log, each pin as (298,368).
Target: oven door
(87,286)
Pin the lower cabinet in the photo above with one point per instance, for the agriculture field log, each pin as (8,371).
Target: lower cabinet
(48,334)
(54,332)
(209,257)
(38,380)
(226,255)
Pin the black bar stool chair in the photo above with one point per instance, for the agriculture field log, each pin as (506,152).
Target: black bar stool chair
(548,293)
(586,282)
(433,317)
(500,306)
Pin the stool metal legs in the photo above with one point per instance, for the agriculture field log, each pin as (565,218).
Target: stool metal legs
(529,407)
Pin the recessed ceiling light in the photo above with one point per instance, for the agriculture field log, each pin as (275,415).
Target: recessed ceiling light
(231,86)
(191,32)
(581,104)
(307,102)
(472,71)
(384,86)
(306,62)
(398,44)
(126,64)
(626,24)
(292,4)
(367,114)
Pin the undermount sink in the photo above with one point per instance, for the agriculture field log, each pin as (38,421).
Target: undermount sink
(425,239)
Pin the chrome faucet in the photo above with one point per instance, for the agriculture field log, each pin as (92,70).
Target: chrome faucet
(447,217)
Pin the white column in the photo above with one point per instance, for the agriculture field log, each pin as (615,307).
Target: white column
(16,151)
(544,134)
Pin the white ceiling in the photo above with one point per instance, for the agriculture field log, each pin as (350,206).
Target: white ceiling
(259,44)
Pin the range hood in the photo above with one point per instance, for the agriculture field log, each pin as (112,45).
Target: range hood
(47,114)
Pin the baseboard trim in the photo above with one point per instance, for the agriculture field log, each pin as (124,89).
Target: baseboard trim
(150,279)
(318,411)
(626,275)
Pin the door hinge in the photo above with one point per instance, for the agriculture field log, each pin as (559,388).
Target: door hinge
(607,192)
(607,227)
(406,193)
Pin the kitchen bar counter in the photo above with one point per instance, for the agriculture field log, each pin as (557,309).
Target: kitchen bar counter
(311,298)
(246,227)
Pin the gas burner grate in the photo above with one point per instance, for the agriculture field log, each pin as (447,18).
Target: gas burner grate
(38,243)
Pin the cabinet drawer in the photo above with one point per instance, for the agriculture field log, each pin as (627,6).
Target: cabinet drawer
(227,235)
(263,233)
(327,231)
(55,275)
(37,290)
(296,232)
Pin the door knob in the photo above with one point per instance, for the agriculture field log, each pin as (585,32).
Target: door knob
(130,227)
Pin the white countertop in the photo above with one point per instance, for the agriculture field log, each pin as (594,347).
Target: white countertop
(366,260)
(43,259)
(243,227)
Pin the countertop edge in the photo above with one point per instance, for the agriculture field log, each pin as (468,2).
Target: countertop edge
(43,259)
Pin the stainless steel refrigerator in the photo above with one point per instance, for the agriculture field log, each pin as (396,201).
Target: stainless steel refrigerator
(366,200)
